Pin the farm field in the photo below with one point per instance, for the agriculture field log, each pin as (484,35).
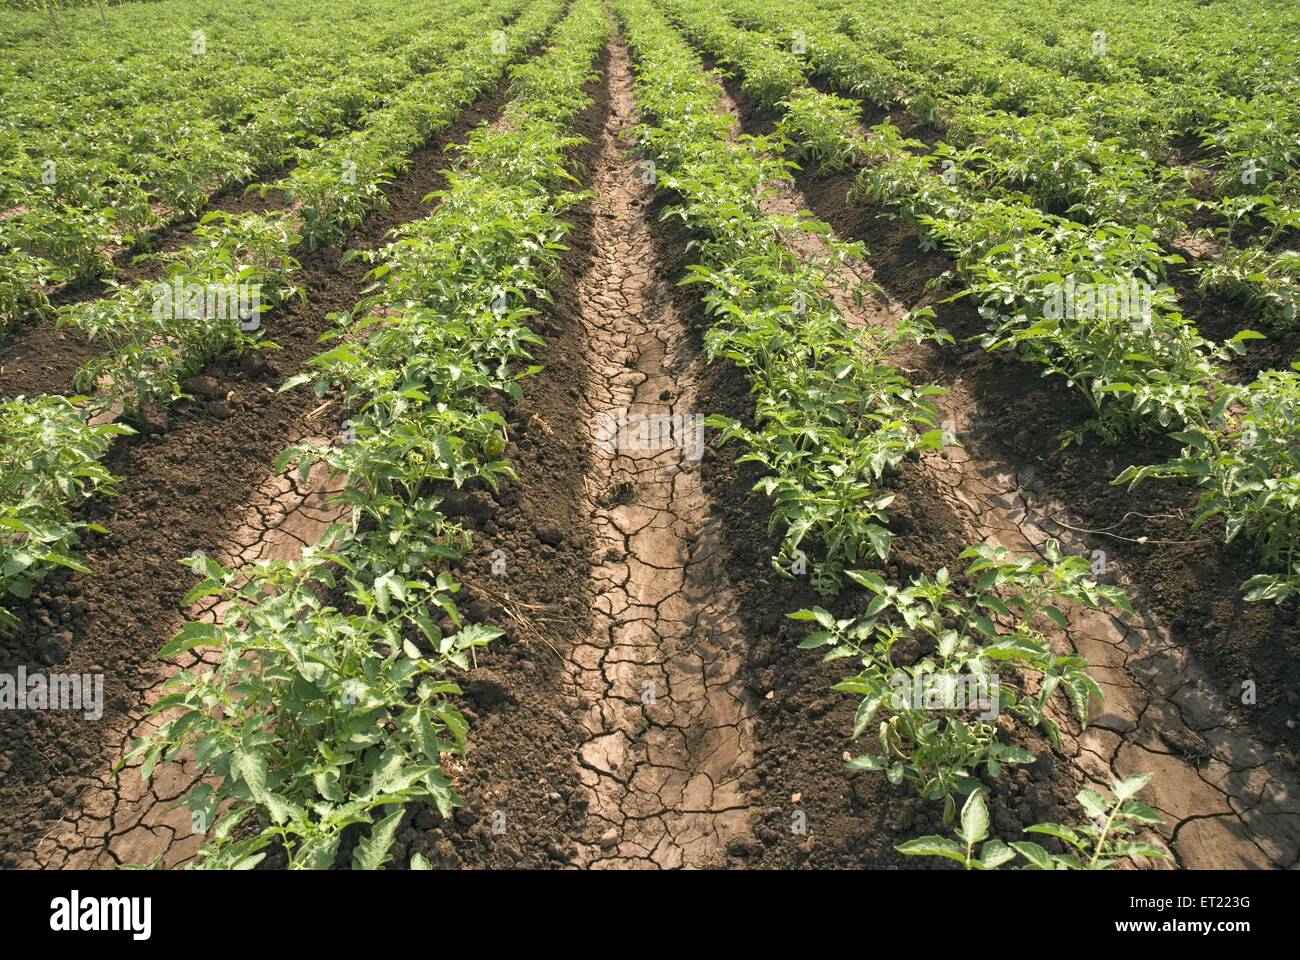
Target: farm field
(599,434)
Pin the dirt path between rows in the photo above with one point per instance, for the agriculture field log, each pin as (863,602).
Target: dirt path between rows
(120,819)
(1227,801)
(669,725)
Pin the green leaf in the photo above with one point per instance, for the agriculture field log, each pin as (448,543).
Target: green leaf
(1057,617)
(974,819)
(866,711)
(995,853)
(1129,787)
(328,785)
(1136,810)
(374,851)
(297,380)
(1013,648)
(865,763)
(818,638)
(280,809)
(863,578)
(880,539)
(1094,804)
(1060,831)
(932,846)
(251,768)
(193,634)
(1039,859)
(1130,848)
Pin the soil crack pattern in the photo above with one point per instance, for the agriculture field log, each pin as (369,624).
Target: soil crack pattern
(1226,800)
(668,723)
(119,818)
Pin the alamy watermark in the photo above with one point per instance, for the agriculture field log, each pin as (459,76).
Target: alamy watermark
(75,913)
(622,430)
(55,691)
(946,691)
(237,302)
(1128,299)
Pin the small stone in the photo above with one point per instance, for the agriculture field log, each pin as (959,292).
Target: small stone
(558,853)
(152,421)
(486,687)
(796,797)
(205,387)
(252,364)
(465,503)
(609,838)
(426,819)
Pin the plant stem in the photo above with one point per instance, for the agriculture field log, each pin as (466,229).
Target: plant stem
(1101,839)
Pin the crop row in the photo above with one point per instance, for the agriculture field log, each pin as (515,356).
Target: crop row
(1097,148)
(77,187)
(50,460)
(941,59)
(113,125)
(154,339)
(335,707)
(212,300)
(831,417)
(1140,368)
